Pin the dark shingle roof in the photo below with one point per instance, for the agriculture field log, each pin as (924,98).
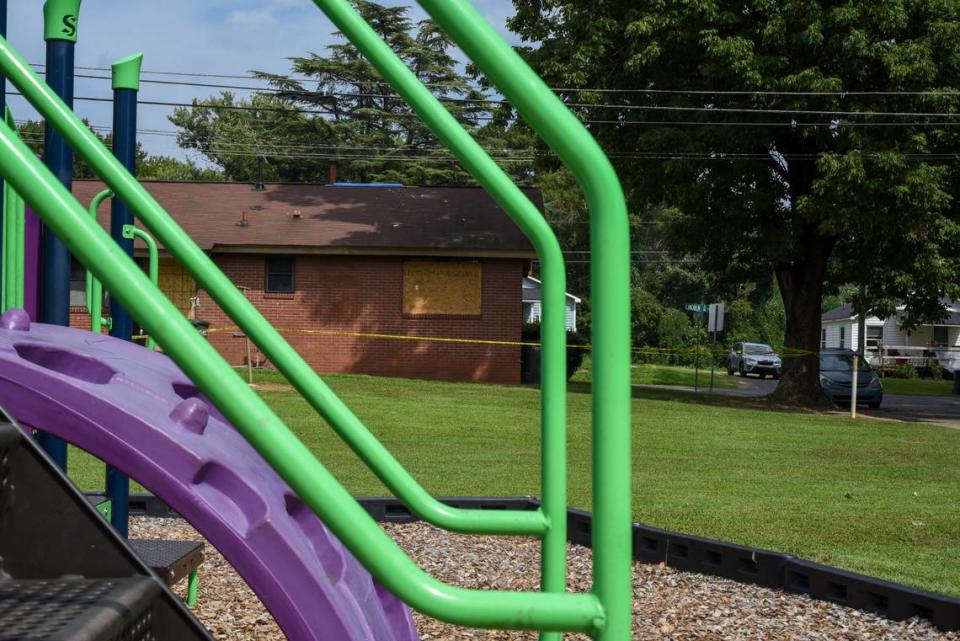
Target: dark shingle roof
(434,218)
(846,311)
(839,313)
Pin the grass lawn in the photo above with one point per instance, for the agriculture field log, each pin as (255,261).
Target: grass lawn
(874,497)
(917,387)
(667,375)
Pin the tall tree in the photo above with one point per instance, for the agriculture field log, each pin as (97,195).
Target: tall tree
(148,167)
(336,107)
(808,138)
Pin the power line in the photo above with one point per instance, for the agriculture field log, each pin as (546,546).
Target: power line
(650,91)
(672,123)
(491,101)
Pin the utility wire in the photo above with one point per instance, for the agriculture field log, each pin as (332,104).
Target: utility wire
(837,124)
(491,101)
(651,91)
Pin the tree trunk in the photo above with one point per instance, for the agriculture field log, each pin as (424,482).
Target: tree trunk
(801,285)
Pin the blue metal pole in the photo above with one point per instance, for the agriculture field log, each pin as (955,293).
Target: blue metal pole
(126,84)
(60,32)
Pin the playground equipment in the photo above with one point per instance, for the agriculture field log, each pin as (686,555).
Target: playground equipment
(196,436)
(86,584)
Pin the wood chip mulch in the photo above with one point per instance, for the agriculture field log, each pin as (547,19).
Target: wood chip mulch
(668,605)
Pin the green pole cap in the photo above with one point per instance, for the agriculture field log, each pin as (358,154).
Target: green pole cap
(126,72)
(60,19)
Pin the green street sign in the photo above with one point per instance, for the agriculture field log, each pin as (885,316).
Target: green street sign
(696,307)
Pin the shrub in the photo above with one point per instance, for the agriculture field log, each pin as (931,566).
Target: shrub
(530,333)
(936,371)
(906,371)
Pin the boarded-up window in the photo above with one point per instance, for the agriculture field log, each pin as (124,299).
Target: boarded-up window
(176,284)
(442,288)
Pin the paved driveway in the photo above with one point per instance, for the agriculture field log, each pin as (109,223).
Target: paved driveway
(942,410)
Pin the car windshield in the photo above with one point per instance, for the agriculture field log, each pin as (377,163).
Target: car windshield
(757,350)
(841,363)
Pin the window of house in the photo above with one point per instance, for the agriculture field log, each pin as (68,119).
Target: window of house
(823,339)
(78,283)
(874,337)
(941,336)
(279,277)
(442,288)
(843,337)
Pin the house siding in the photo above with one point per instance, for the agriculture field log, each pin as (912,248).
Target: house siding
(533,312)
(351,295)
(893,335)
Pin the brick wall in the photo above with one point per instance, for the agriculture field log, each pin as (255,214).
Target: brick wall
(363,294)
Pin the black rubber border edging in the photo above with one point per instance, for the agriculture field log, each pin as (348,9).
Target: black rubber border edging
(695,554)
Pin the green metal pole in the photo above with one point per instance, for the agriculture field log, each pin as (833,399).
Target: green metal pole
(266,432)
(271,343)
(529,219)
(9,238)
(8,287)
(13,239)
(130,232)
(94,287)
(610,289)
(193,586)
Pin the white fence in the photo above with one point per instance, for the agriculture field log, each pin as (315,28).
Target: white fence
(890,357)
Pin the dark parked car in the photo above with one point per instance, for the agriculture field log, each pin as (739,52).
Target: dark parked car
(836,379)
(753,358)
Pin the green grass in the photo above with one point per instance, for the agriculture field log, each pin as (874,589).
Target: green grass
(917,387)
(869,496)
(668,375)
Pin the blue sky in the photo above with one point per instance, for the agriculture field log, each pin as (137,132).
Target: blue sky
(202,36)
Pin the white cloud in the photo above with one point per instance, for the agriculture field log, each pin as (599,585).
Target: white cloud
(213,36)
(252,17)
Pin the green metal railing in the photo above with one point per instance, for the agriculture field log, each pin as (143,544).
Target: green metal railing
(605,612)
(130,232)
(94,287)
(14,223)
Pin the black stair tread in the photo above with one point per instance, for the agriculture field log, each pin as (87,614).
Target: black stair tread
(76,609)
(172,560)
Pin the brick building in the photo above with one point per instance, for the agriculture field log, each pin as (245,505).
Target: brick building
(353,276)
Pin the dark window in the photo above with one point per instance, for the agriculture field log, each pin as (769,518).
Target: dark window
(941,337)
(78,283)
(823,339)
(874,337)
(843,337)
(279,277)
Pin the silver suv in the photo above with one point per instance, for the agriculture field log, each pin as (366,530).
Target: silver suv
(753,358)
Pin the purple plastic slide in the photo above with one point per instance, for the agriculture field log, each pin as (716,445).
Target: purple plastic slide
(137,411)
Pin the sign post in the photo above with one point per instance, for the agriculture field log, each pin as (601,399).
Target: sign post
(715,324)
(853,390)
(698,311)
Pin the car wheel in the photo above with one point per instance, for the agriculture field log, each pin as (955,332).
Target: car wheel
(762,376)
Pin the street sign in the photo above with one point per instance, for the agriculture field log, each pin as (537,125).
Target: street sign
(715,323)
(697,307)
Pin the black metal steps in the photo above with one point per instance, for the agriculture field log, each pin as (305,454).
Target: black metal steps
(77,609)
(65,575)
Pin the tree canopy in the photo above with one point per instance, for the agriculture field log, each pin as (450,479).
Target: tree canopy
(336,107)
(148,167)
(812,140)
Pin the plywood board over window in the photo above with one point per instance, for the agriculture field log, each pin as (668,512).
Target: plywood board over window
(176,284)
(442,288)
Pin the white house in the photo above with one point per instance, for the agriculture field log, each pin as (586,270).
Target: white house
(839,329)
(531,304)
